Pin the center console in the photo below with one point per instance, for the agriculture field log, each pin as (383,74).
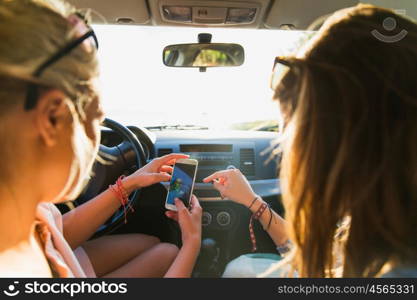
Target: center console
(215,157)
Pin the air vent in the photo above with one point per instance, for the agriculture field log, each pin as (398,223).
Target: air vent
(247,161)
(164,151)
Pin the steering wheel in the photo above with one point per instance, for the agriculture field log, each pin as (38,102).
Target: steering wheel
(124,158)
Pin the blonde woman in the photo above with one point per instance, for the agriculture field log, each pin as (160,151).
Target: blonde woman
(349,167)
(49,126)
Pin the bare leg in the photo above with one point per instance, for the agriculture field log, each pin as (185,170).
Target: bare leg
(109,253)
(153,263)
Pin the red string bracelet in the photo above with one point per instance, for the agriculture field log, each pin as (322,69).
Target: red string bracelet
(121,194)
(256,216)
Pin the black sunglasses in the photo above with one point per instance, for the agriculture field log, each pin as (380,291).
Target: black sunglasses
(32,92)
(281,67)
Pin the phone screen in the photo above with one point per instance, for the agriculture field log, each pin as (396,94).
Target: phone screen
(181,183)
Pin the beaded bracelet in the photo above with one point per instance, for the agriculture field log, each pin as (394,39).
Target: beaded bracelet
(256,216)
(272,217)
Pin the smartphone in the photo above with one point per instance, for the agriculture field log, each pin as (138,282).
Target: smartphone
(182,182)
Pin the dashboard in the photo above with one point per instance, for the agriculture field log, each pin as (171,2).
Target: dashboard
(249,151)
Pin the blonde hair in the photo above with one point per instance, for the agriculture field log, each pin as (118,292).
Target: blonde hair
(31,31)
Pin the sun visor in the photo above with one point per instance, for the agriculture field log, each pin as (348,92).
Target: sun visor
(115,11)
(300,14)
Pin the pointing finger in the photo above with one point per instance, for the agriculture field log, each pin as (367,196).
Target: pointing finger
(218,186)
(216,175)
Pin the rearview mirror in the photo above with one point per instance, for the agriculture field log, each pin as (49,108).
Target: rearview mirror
(203,55)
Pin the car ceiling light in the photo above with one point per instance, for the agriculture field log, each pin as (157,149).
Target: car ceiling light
(125,21)
(177,13)
(209,15)
(240,15)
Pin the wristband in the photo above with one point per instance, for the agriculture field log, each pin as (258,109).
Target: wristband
(122,195)
(256,216)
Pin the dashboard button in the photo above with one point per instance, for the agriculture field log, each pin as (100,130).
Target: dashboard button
(223,218)
(206,219)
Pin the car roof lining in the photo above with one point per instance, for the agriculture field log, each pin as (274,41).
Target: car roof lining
(273,14)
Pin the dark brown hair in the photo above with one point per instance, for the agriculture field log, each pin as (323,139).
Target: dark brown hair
(350,157)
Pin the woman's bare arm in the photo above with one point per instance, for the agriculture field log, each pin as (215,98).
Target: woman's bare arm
(190,224)
(233,184)
(277,225)
(83,221)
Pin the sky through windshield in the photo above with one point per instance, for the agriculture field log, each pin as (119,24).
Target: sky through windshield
(137,89)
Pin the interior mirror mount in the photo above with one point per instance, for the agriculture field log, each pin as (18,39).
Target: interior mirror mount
(204,38)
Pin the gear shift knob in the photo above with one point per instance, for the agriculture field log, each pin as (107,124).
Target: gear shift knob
(209,249)
(209,258)
(208,243)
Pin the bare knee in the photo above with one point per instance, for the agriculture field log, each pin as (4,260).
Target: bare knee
(166,250)
(150,240)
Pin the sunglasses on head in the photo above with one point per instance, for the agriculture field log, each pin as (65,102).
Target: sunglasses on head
(282,65)
(86,38)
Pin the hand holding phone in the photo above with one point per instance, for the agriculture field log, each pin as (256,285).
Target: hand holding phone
(189,221)
(182,182)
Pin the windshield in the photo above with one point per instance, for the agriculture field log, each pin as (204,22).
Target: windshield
(137,89)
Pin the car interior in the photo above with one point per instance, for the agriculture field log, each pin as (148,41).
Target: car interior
(184,105)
